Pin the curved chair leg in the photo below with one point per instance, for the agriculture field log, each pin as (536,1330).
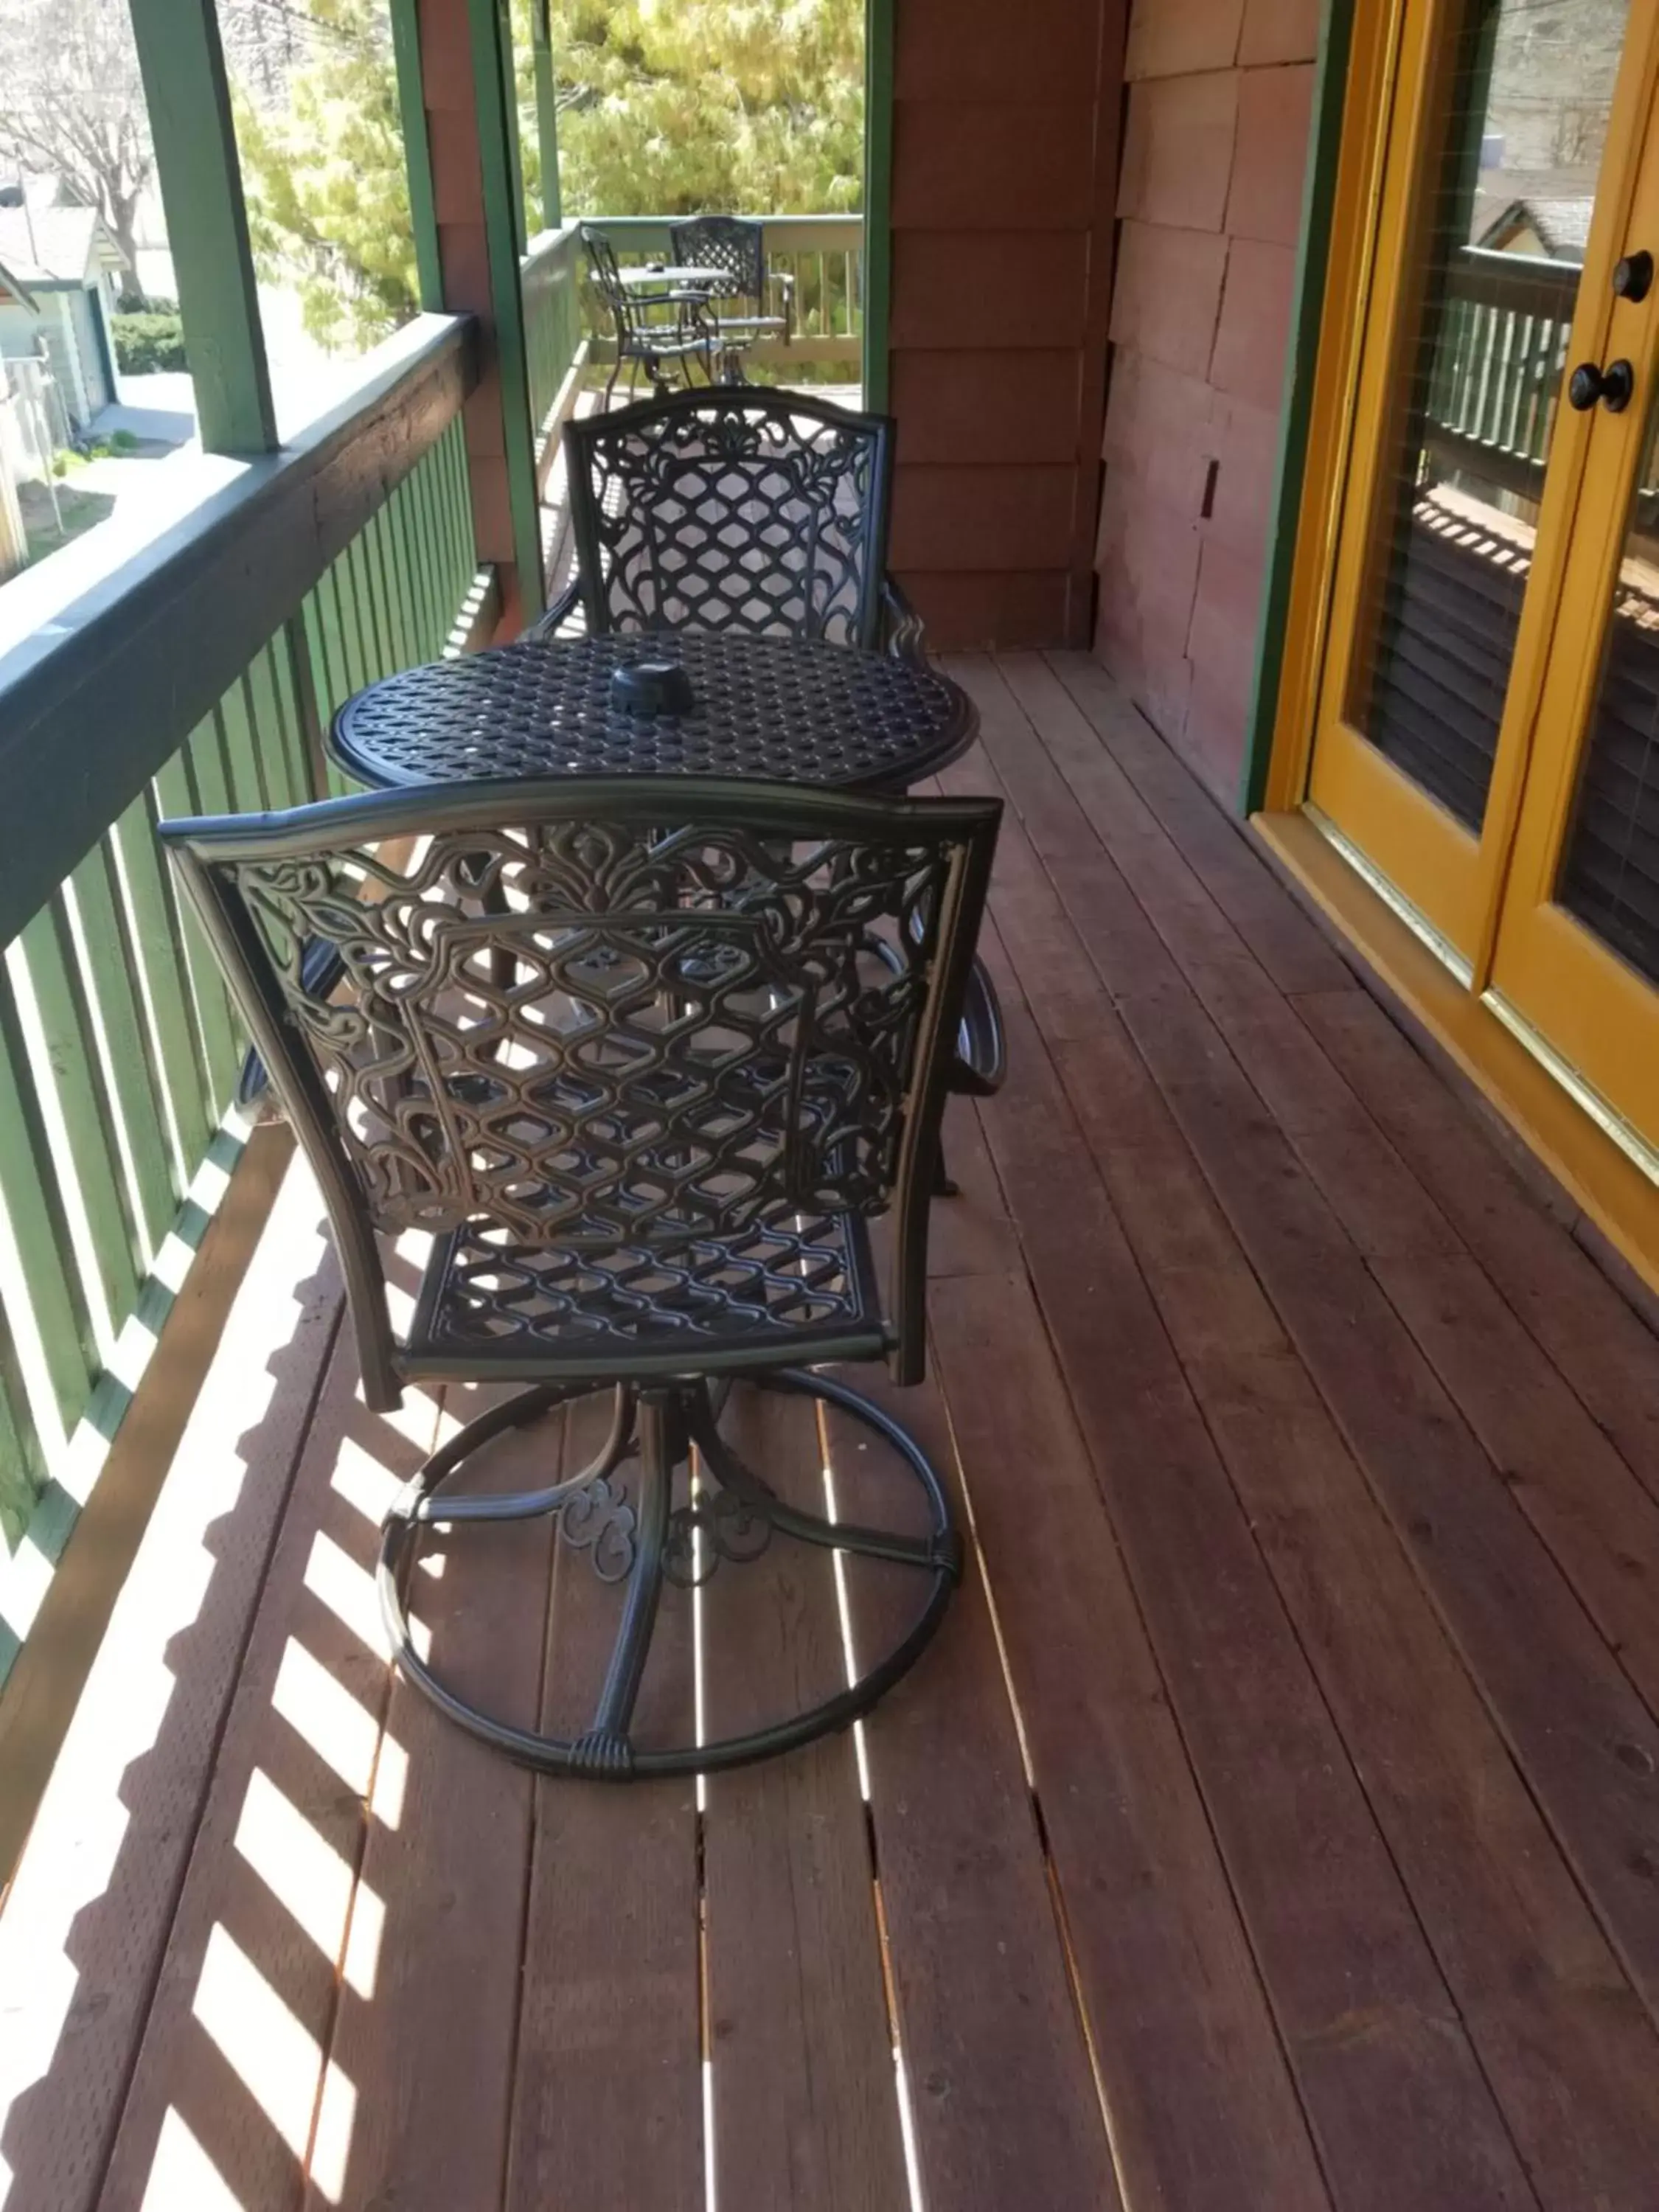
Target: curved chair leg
(731,1520)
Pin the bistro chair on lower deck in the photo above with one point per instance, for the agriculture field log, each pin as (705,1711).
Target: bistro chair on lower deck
(646,1059)
(655,327)
(752,302)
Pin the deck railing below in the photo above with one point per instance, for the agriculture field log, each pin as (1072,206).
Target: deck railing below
(1500,368)
(550,281)
(196,676)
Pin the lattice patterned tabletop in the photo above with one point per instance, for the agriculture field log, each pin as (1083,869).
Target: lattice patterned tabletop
(800,712)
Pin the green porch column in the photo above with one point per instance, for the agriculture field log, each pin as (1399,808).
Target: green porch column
(417,153)
(547,117)
(467,98)
(183,66)
(878,198)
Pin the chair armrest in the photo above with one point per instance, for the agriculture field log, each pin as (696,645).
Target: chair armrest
(562,608)
(901,632)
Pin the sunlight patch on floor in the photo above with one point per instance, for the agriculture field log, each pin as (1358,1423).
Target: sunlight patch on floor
(302,1871)
(338,1581)
(274,2055)
(365,1483)
(184,2179)
(325,1716)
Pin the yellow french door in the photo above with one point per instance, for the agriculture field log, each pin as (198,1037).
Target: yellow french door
(1485,725)
(1575,953)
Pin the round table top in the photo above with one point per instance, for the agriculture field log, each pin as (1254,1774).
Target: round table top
(672,276)
(796,711)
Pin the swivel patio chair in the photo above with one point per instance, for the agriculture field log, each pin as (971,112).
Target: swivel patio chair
(684,338)
(647,1059)
(753,303)
(760,512)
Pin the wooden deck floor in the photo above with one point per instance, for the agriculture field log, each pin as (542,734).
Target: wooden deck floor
(1274,1826)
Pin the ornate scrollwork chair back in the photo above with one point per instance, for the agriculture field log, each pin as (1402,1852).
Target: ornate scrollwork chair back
(761,511)
(645,1058)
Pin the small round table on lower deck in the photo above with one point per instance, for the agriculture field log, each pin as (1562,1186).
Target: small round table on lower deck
(797,711)
(641,279)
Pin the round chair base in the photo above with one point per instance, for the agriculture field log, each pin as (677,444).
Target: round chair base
(729,1520)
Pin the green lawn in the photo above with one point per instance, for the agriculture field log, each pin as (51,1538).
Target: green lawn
(80,510)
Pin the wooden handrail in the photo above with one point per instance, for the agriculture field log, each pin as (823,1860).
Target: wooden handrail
(1527,284)
(98,695)
(789,233)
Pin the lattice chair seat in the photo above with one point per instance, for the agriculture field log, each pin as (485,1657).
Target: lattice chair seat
(644,1060)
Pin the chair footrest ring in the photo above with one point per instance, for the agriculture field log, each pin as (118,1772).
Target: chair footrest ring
(731,1518)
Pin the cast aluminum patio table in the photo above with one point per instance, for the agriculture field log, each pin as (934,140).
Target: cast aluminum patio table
(798,711)
(794,710)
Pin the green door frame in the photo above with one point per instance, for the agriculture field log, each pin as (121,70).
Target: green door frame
(1296,404)
(878,199)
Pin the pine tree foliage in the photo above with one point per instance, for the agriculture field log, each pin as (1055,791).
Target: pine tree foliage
(665,106)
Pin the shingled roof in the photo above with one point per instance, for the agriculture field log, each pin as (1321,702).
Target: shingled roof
(47,246)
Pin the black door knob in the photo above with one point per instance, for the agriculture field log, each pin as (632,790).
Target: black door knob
(1613,385)
(1631,276)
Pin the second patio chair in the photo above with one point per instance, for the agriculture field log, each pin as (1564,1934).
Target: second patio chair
(644,1060)
(761,511)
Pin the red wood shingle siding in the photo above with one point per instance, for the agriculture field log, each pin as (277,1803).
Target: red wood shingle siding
(1210,195)
(1005,159)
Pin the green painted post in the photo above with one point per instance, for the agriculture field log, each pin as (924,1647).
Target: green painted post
(878,198)
(1296,408)
(514,147)
(547,115)
(493,98)
(417,152)
(188,98)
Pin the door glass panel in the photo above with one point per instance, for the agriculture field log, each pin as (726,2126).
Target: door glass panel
(1515,123)
(1610,865)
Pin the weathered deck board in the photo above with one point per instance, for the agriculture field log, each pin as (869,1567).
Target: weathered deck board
(1313,1465)
(608,2090)
(1170,1989)
(1343,1942)
(420,2069)
(231,2067)
(87,1919)
(1000,2118)
(805,2103)
(1589,1748)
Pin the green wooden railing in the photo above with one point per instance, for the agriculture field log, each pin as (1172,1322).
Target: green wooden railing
(549,276)
(823,253)
(195,676)
(1498,368)
(1499,372)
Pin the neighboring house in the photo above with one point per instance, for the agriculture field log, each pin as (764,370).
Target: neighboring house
(1557,228)
(59,282)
